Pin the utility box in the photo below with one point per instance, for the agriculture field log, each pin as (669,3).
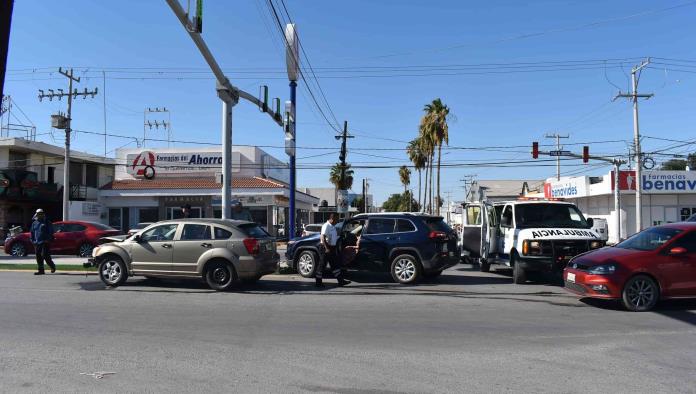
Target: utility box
(59,121)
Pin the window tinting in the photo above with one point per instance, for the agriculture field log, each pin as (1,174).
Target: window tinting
(164,232)
(253,230)
(688,242)
(221,233)
(194,232)
(380,226)
(404,226)
(73,227)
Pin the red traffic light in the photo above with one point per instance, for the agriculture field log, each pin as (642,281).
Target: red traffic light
(535,150)
(585,154)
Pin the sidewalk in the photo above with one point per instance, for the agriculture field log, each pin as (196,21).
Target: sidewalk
(59,260)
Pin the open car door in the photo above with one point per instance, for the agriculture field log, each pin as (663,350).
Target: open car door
(479,231)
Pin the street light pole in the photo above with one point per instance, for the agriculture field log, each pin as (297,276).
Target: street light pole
(292,62)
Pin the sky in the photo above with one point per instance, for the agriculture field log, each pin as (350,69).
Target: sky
(510,71)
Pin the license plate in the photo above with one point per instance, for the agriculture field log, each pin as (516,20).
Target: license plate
(444,248)
(571,277)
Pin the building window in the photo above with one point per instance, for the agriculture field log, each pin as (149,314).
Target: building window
(51,177)
(76,173)
(115,218)
(18,160)
(148,215)
(176,213)
(92,175)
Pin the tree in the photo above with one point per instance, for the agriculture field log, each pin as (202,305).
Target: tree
(434,125)
(417,157)
(400,203)
(359,203)
(335,177)
(405,177)
(427,146)
(674,165)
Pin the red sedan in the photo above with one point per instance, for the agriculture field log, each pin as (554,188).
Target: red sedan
(655,264)
(70,237)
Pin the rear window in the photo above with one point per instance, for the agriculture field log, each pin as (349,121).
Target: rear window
(253,230)
(438,224)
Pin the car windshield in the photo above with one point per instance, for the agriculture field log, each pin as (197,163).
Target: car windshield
(549,215)
(649,239)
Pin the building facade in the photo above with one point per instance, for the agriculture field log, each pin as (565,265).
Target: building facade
(155,184)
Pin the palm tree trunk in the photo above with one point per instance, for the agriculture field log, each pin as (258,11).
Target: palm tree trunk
(419,189)
(432,182)
(439,155)
(425,189)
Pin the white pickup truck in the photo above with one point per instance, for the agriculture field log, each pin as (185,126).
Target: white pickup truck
(527,235)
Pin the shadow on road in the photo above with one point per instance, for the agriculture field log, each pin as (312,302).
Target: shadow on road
(681,310)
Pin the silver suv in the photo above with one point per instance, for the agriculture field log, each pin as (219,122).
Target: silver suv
(219,251)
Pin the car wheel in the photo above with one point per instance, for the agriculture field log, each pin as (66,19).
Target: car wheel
(640,294)
(18,249)
(85,250)
(307,263)
(405,269)
(484,265)
(519,275)
(113,271)
(220,276)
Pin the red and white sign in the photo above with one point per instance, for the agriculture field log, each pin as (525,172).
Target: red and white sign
(143,165)
(627,180)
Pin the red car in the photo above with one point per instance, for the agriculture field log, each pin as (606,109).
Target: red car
(655,264)
(70,237)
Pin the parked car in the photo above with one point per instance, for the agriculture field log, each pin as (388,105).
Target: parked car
(408,245)
(219,251)
(70,237)
(310,229)
(656,263)
(137,228)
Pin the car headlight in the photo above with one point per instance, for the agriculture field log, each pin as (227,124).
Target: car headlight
(596,244)
(604,269)
(531,247)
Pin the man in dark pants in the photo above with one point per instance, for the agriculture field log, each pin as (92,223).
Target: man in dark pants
(41,235)
(329,253)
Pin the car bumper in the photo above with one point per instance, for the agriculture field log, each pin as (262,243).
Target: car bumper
(587,285)
(91,262)
(542,263)
(442,261)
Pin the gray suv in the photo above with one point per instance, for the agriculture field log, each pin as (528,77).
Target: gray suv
(219,251)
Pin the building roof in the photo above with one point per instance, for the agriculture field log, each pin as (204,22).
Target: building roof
(25,145)
(191,183)
(503,188)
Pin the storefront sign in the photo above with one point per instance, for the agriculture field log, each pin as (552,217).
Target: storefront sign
(246,200)
(659,182)
(148,164)
(343,200)
(91,208)
(566,188)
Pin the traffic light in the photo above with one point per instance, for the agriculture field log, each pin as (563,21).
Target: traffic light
(535,150)
(585,154)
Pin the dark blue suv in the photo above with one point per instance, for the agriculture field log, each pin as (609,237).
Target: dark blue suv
(408,245)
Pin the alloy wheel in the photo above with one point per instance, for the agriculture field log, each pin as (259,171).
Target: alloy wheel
(405,269)
(18,250)
(641,293)
(85,250)
(111,271)
(305,264)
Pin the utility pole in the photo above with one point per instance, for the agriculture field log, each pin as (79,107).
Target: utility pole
(5,22)
(63,122)
(166,124)
(342,155)
(468,181)
(558,149)
(634,96)
(365,185)
(292,61)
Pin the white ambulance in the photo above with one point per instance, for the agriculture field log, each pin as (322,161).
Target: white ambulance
(527,235)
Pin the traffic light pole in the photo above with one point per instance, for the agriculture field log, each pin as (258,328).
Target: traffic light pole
(292,225)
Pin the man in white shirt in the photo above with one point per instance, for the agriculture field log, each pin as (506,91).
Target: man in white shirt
(329,254)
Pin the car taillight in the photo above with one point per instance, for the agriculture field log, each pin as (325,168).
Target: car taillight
(438,235)
(252,246)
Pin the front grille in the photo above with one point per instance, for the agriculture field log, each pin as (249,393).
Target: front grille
(569,248)
(575,287)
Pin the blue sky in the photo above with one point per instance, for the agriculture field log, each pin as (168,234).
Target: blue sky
(499,108)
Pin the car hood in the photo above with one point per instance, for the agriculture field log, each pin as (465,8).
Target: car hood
(606,255)
(311,237)
(113,238)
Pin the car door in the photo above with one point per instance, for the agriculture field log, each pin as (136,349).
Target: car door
(375,240)
(73,236)
(60,238)
(507,232)
(154,250)
(680,269)
(474,228)
(194,240)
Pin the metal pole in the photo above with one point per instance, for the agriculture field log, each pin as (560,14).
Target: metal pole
(5,22)
(293,98)
(226,157)
(639,163)
(66,163)
(104,102)
(617,200)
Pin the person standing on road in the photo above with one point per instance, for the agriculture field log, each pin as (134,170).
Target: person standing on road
(41,234)
(329,239)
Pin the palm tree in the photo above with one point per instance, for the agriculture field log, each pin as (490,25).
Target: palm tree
(427,146)
(435,123)
(405,177)
(335,177)
(417,157)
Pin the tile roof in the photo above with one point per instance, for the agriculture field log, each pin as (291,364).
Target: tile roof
(191,183)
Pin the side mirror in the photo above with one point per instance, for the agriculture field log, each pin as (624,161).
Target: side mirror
(137,238)
(590,222)
(678,251)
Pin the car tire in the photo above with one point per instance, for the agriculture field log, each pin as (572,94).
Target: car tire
(220,275)
(519,275)
(406,269)
(306,263)
(113,271)
(18,249)
(484,265)
(640,294)
(85,250)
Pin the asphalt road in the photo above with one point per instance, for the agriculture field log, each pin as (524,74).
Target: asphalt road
(465,332)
